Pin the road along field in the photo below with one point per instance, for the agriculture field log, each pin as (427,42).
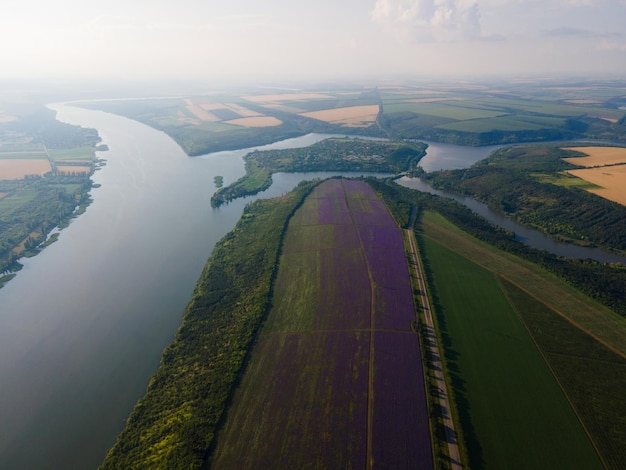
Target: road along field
(335,379)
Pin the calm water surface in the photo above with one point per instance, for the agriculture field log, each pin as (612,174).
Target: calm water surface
(451,157)
(524,234)
(83,325)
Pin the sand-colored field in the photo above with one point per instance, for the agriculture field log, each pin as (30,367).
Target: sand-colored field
(612,120)
(612,180)
(257,121)
(281,107)
(353,116)
(597,156)
(200,112)
(203,110)
(182,117)
(211,106)
(69,169)
(18,169)
(241,110)
(286,97)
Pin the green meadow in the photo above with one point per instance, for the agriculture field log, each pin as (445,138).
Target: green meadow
(512,410)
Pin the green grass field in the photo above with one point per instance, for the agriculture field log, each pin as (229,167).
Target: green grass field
(80,153)
(513,413)
(506,123)
(442,109)
(11,203)
(592,376)
(546,107)
(565,180)
(563,298)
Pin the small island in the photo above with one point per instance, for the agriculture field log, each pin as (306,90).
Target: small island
(335,154)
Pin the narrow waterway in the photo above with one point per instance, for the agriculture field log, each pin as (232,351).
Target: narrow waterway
(524,234)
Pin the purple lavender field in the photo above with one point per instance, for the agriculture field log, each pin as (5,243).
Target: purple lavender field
(336,378)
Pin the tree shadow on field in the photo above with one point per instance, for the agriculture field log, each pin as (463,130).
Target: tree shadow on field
(454,373)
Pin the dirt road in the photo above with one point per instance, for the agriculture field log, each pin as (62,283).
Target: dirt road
(432,346)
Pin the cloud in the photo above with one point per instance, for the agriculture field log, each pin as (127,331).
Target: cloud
(429,20)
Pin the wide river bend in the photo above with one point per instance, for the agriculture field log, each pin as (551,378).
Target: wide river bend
(83,325)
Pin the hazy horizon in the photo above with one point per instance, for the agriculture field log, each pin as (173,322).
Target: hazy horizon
(277,39)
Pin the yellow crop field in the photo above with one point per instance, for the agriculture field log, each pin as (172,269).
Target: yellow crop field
(16,169)
(281,107)
(211,106)
(598,156)
(68,169)
(612,180)
(353,116)
(242,111)
(256,121)
(200,112)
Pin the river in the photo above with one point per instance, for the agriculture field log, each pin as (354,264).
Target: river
(83,325)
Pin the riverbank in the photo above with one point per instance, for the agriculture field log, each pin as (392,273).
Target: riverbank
(45,182)
(187,398)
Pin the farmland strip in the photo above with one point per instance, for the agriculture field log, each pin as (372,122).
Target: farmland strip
(334,380)
(370,380)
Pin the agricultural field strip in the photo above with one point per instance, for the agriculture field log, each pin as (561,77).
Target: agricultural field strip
(597,156)
(395,308)
(604,167)
(561,314)
(322,365)
(370,379)
(609,329)
(435,353)
(548,363)
(511,408)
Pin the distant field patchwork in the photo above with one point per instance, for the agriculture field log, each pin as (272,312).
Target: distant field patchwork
(15,169)
(512,411)
(202,111)
(335,380)
(352,116)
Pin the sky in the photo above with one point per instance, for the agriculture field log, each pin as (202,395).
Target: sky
(322,39)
